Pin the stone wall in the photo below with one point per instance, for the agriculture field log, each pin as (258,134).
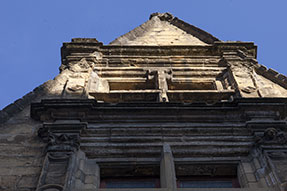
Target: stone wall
(21,153)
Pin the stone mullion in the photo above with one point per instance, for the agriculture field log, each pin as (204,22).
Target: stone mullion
(167,169)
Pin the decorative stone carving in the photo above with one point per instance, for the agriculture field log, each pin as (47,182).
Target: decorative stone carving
(62,142)
(97,84)
(43,133)
(62,155)
(248,89)
(272,135)
(76,84)
(162,16)
(243,76)
(82,66)
(277,155)
(97,55)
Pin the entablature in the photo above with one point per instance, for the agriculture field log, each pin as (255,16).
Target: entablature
(81,49)
(240,110)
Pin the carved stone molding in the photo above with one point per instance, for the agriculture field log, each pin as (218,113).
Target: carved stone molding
(272,135)
(70,128)
(63,142)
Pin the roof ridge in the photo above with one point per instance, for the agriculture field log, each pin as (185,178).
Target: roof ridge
(162,16)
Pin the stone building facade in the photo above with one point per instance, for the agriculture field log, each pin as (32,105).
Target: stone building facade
(166,106)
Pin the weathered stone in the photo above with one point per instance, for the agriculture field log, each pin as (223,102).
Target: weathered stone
(179,86)
(247,167)
(27,182)
(89,186)
(250,177)
(90,179)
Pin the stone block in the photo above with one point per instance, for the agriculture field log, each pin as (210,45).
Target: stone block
(281,77)
(24,170)
(3,116)
(247,167)
(85,40)
(272,72)
(18,161)
(262,68)
(250,177)
(253,185)
(76,84)
(28,182)
(8,182)
(262,182)
(89,186)
(91,168)
(79,183)
(82,165)
(243,181)
(80,175)
(256,164)
(12,109)
(90,180)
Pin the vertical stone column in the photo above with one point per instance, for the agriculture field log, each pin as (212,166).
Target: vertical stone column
(62,156)
(167,169)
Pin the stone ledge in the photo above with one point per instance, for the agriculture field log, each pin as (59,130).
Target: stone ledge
(85,40)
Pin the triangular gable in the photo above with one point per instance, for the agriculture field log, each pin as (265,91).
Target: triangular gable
(164,29)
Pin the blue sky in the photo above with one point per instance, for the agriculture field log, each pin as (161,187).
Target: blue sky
(32,31)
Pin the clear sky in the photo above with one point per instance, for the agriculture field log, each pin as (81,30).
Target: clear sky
(32,31)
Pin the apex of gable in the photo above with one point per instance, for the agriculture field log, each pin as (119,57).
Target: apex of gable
(164,29)
(162,16)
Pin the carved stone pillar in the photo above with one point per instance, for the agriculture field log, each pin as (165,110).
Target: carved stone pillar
(62,156)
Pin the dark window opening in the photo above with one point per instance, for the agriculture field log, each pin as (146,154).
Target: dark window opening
(207,182)
(207,176)
(197,85)
(148,85)
(130,182)
(130,176)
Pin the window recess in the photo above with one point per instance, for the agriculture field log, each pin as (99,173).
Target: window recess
(130,176)
(207,176)
(191,85)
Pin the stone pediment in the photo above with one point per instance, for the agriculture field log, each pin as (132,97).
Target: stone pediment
(164,29)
